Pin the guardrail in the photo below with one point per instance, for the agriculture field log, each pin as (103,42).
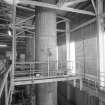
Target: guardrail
(100,84)
(6,87)
(43,72)
(92,87)
(54,69)
(41,69)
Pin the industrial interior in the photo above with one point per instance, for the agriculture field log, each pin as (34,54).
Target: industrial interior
(52,52)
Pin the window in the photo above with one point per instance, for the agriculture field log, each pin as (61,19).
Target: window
(71,58)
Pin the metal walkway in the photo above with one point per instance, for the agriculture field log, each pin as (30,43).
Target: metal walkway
(42,72)
(35,80)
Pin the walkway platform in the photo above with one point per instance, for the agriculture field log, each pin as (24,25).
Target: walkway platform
(36,80)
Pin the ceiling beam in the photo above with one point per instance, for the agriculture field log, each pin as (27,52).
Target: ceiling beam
(85,24)
(63,3)
(61,21)
(4,19)
(61,17)
(64,18)
(24,20)
(20,32)
(78,11)
(51,6)
(25,8)
(94,6)
(24,37)
(23,30)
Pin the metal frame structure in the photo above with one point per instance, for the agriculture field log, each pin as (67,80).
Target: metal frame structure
(66,9)
(16,26)
(66,3)
(6,86)
(99,16)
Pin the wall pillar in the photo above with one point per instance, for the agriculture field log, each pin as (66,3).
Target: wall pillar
(46,48)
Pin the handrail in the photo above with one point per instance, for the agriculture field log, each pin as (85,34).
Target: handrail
(33,68)
(4,80)
(58,71)
(89,76)
(36,62)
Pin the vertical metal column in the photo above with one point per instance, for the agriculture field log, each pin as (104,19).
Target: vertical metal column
(30,57)
(68,44)
(13,43)
(68,55)
(6,94)
(101,40)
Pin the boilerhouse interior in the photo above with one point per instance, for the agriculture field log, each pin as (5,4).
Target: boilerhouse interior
(52,52)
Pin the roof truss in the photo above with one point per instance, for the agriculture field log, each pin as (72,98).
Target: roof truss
(51,6)
(65,3)
(94,6)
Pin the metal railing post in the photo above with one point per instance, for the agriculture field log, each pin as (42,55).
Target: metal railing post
(74,82)
(81,84)
(6,94)
(48,66)
(30,71)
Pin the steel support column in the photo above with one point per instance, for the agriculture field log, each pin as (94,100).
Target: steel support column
(13,43)
(101,41)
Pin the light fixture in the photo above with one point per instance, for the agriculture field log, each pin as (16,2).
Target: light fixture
(9,33)
(3,45)
(11,1)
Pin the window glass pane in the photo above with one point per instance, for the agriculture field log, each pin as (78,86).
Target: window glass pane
(71,58)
